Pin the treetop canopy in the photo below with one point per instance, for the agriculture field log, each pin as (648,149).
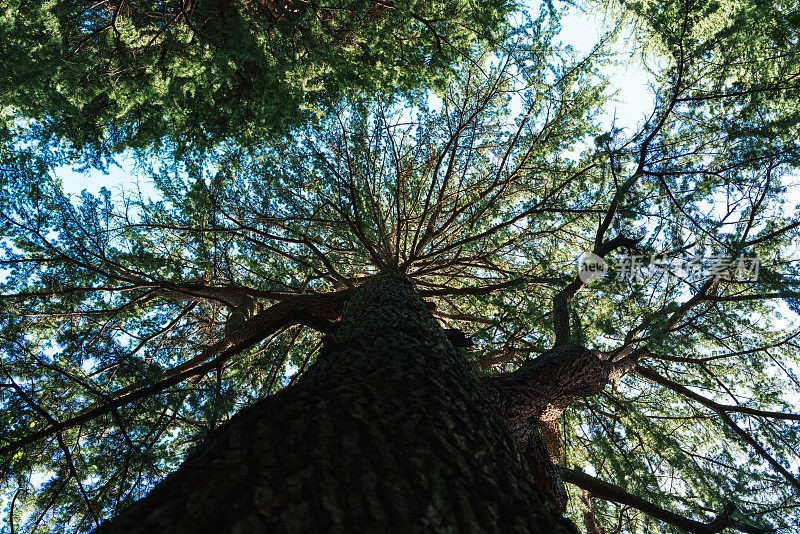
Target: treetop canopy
(124,319)
(108,75)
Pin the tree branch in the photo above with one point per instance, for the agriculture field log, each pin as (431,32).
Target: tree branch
(610,492)
(562,298)
(722,411)
(316,311)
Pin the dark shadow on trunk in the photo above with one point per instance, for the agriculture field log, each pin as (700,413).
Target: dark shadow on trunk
(389,431)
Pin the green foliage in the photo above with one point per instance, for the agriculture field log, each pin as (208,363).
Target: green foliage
(110,76)
(484,191)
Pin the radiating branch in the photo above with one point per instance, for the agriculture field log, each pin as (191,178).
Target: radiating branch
(609,492)
(722,412)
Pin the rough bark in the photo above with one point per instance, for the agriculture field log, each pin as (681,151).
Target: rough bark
(390,431)
(533,397)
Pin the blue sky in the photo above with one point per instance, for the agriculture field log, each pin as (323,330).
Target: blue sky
(633,102)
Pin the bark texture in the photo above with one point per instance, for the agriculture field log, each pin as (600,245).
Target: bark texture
(390,431)
(533,397)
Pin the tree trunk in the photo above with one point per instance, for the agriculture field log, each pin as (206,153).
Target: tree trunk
(389,431)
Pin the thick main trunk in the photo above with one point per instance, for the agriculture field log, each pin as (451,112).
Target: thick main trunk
(388,431)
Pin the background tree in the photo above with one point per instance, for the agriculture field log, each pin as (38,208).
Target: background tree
(113,75)
(134,328)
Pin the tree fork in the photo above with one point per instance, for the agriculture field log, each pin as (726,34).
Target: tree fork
(533,397)
(390,430)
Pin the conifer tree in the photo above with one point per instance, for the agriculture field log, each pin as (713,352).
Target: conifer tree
(379,319)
